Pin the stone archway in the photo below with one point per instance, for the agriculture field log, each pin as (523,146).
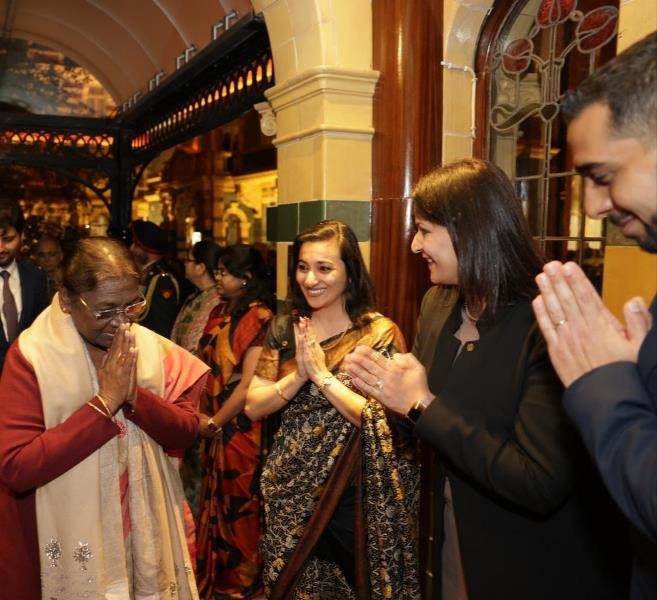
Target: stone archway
(322,101)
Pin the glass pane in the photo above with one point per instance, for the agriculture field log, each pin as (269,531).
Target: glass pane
(530,192)
(563,216)
(531,148)
(588,253)
(563,250)
(592,262)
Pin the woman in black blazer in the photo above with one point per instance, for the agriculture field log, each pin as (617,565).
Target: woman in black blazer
(517,511)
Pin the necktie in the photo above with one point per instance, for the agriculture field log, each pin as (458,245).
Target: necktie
(9,307)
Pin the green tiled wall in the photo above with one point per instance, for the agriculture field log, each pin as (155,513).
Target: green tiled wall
(286,220)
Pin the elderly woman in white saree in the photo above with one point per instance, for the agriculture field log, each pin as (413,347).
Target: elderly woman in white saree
(92,409)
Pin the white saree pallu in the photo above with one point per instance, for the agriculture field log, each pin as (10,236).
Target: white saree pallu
(111,527)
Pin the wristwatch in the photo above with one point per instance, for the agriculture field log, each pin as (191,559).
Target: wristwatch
(415,413)
(326,381)
(213,427)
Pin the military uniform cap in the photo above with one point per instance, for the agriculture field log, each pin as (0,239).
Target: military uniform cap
(149,237)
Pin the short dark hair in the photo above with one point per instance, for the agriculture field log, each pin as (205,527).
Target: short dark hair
(11,215)
(359,293)
(206,253)
(245,262)
(628,85)
(96,259)
(476,202)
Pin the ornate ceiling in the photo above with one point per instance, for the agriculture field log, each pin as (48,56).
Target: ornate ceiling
(123,43)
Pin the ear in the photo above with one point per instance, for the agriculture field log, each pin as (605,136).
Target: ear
(65,300)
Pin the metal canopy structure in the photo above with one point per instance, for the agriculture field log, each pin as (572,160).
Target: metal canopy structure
(108,156)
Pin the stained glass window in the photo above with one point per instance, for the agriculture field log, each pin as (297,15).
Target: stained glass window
(544,48)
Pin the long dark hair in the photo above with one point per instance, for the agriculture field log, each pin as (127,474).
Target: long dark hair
(476,202)
(247,263)
(359,293)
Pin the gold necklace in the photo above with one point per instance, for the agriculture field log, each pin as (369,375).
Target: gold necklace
(337,342)
(468,313)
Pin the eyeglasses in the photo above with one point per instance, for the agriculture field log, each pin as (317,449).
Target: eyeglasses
(220,272)
(131,311)
(189,260)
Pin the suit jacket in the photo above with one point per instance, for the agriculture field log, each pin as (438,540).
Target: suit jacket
(615,409)
(34,300)
(532,517)
(162,293)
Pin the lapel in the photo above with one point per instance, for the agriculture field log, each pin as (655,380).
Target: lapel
(27,294)
(446,347)
(436,309)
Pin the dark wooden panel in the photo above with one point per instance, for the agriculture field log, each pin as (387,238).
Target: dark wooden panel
(407,144)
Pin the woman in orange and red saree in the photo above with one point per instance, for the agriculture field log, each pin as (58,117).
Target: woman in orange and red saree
(230,517)
(340,484)
(90,403)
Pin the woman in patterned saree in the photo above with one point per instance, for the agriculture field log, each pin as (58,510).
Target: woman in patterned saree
(194,314)
(229,527)
(186,332)
(340,485)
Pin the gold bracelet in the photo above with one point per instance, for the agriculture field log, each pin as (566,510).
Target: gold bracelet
(90,403)
(102,401)
(277,387)
(325,383)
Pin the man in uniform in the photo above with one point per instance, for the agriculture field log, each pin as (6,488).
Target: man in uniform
(159,285)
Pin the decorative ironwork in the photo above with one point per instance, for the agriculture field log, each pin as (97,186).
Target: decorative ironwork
(61,141)
(222,81)
(217,102)
(225,80)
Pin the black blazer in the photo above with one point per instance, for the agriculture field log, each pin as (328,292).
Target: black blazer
(33,297)
(533,520)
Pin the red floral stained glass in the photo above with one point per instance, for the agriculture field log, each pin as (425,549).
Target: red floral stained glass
(596,28)
(551,12)
(517,55)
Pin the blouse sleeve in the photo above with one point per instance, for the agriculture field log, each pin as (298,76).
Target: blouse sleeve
(275,343)
(30,455)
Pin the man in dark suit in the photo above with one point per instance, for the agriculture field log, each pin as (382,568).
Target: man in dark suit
(609,368)
(22,285)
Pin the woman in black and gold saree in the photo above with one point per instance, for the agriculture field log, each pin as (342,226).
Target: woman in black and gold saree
(341,482)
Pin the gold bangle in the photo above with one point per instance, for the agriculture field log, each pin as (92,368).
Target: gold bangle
(90,403)
(102,401)
(326,382)
(277,387)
